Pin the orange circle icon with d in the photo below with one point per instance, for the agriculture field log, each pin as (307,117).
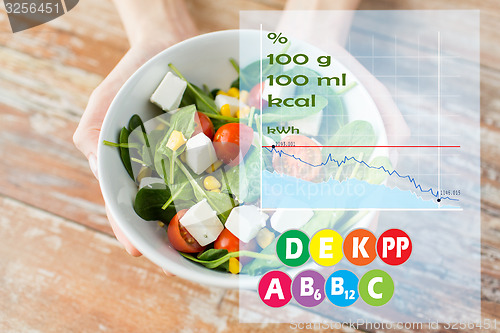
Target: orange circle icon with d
(360,247)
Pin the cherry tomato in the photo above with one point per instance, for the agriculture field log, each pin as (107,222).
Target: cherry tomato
(228,241)
(231,243)
(232,141)
(203,124)
(291,166)
(255,95)
(180,238)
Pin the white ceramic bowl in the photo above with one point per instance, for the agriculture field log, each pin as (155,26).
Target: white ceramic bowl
(203,60)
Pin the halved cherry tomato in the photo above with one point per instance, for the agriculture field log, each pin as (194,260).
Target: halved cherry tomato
(231,243)
(291,165)
(180,238)
(203,124)
(232,141)
(255,95)
(228,241)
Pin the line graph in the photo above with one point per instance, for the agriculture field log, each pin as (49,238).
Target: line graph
(356,148)
(342,161)
(377,146)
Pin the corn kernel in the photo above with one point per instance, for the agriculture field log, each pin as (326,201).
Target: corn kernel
(234,266)
(222,92)
(234,92)
(161,224)
(216,190)
(211,183)
(225,110)
(265,237)
(243,96)
(176,140)
(214,166)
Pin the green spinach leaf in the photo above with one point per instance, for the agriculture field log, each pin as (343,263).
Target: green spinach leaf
(202,100)
(220,202)
(322,219)
(125,153)
(164,158)
(269,260)
(250,75)
(244,179)
(355,133)
(216,258)
(150,199)
(215,254)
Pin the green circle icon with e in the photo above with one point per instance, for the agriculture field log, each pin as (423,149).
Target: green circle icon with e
(292,248)
(376,287)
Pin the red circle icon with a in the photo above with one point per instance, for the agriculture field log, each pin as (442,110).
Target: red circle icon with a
(394,247)
(275,289)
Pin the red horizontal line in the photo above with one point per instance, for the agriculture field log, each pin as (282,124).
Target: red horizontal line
(362,146)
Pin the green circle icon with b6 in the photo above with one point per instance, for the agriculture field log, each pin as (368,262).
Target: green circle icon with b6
(376,287)
(293,248)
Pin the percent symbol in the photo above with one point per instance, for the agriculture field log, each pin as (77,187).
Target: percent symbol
(277,38)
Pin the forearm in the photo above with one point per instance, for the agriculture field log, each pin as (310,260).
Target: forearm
(155,19)
(336,27)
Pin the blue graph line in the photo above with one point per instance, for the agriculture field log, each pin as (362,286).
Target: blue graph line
(346,159)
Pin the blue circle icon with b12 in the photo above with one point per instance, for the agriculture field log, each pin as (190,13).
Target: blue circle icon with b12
(341,288)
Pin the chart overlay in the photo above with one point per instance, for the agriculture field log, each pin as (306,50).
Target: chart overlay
(380,132)
(360,187)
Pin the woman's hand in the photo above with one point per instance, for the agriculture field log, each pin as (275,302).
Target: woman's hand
(150,30)
(87,133)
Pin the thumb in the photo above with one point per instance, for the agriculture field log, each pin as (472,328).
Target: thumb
(86,136)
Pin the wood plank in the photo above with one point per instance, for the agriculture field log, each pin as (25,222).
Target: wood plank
(42,167)
(42,101)
(59,276)
(53,266)
(76,39)
(46,75)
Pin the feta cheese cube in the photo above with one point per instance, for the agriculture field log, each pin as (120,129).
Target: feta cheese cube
(200,153)
(277,91)
(245,222)
(176,140)
(169,93)
(202,223)
(284,219)
(234,103)
(309,125)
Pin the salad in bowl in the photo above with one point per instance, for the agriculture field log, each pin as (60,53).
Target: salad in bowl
(180,161)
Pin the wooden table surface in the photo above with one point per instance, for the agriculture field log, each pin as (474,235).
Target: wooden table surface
(61,268)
